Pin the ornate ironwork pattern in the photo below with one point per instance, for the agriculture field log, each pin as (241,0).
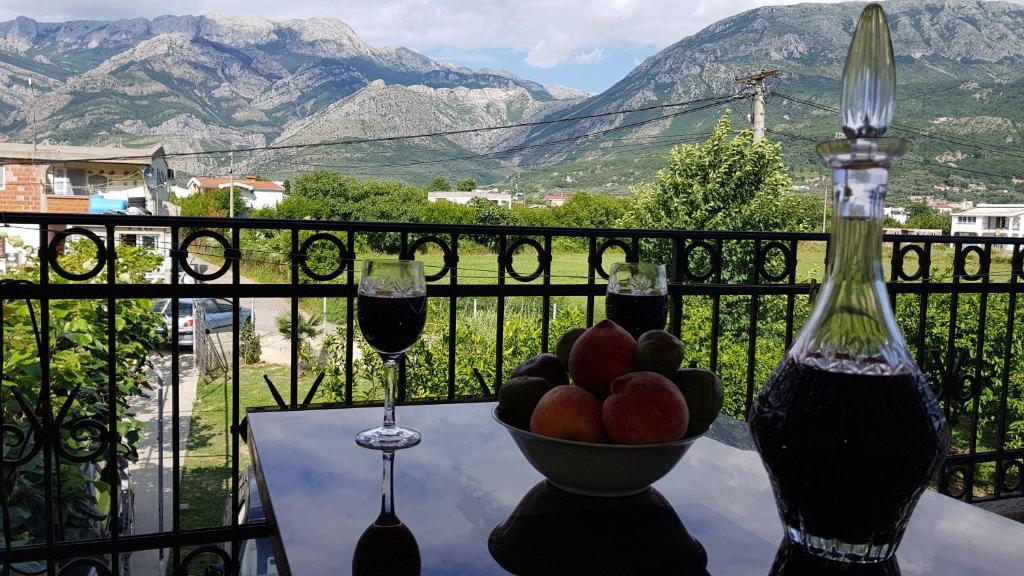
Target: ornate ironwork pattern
(727,292)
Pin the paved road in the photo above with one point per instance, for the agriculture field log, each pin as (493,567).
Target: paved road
(146,473)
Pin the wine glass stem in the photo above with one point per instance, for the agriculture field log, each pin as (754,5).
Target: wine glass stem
(387,496)
(390,385)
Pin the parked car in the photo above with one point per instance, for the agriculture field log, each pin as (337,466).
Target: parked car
(255,557)
(216,315)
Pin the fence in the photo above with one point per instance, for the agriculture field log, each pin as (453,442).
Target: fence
(736,301)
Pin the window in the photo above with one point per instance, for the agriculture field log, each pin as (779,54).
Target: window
(999,222)
(965,219)
(148,242)
(61,183)
(97,183)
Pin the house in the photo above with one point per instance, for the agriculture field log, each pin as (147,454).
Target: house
(66,179)
(464,197)
(988,220)
(38,178)
(553,200)
(255,193)
(897,213)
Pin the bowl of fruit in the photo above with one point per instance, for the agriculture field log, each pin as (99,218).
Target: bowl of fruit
(607,415)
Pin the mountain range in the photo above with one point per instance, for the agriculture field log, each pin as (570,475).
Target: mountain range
(212,82)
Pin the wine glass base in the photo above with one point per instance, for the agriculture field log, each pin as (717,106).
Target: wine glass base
(390,438)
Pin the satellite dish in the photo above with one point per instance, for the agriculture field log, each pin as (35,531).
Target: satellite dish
(149,175)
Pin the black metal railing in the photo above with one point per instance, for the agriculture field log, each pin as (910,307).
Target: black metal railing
(736,301)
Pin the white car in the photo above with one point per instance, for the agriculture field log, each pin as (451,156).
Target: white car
(216,315)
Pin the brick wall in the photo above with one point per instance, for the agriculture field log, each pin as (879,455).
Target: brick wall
(22,190)
(67,204)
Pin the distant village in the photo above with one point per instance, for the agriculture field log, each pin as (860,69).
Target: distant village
(116,180)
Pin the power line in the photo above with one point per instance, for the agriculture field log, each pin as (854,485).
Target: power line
(276,147)
(718,102)
(661,142)
(913,130)
(914,160)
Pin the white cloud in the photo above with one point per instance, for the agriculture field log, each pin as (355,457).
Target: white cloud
(546,32)
(594,56)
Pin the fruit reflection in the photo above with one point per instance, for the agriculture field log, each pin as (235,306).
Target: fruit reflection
(387,547)
(795,561)
(552,532)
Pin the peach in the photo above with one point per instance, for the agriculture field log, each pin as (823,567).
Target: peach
(570,413)
(546,366)
(644,408)
(601,354)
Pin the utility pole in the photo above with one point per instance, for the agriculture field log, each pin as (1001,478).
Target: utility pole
(757,81)
(32,97)
(231,191)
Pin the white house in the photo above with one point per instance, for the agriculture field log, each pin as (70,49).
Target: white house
(897,213)
(989,220)
(460,197)
(255,193)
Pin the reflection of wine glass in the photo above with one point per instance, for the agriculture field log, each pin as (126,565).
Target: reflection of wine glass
(392,312)
(387,547)
(637,297)
(795,561)
(556,532)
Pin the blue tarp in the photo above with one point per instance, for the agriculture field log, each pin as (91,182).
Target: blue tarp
(100,205)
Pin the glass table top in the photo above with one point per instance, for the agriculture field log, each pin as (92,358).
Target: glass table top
(471,504)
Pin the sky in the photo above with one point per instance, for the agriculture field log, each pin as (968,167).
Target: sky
(586,44)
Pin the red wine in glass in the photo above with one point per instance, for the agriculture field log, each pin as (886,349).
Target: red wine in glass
(390,323)
(637,313)
(637,298)
(392,312)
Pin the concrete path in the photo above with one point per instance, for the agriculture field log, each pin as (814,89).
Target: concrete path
(146,473)
(276,349)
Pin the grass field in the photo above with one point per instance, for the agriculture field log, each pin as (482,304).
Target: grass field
(206,472)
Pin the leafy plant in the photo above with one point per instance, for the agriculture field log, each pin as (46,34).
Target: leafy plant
(249,344)
(79,401)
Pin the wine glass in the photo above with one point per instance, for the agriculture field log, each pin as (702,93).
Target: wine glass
(387,547)
(392,312)
(637,298)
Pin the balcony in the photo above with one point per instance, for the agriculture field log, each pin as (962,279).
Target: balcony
(497,296)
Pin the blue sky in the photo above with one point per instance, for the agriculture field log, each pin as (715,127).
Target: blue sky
(586,44)
(591,70)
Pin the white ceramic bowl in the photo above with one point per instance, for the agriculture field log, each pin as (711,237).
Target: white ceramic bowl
(607,470)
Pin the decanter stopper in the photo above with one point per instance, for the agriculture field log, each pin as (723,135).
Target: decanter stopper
(869,78)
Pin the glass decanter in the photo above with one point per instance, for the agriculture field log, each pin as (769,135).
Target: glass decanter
(848,427)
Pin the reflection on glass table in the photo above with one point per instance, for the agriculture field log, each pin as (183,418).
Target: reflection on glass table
(793,560)
(387,547)
(558,533)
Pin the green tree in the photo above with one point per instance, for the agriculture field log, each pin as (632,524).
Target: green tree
(466,184)
(585,210)
(932,220)
(328,195)
(440,185)
(444,212)
(490,214)
(722,184)
(214,202)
